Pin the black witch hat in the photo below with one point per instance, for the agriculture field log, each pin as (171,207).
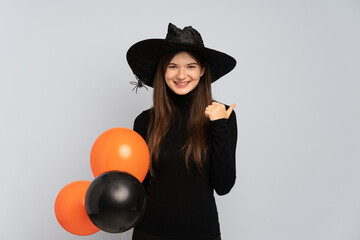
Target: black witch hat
(143,57)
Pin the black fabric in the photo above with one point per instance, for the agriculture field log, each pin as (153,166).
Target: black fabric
(188,35)
(181,203)
(145,236)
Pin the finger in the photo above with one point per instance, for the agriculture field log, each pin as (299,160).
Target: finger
(216,103)
(210,108)
(230,109)
(206,115)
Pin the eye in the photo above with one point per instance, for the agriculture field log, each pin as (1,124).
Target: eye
(172,66)
(192,66)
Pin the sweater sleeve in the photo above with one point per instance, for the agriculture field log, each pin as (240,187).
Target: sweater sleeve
(223,151)
(140,126)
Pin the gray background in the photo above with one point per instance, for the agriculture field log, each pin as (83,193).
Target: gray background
(65,80)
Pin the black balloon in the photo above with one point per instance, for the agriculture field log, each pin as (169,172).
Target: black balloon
(115,201)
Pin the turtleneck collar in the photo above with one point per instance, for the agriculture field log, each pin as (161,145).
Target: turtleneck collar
(181,102)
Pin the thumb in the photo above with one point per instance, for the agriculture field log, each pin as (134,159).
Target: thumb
(230,109)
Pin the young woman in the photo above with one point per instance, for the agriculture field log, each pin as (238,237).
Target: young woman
(191,138)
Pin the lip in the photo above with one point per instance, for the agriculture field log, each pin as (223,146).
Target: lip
(182,85)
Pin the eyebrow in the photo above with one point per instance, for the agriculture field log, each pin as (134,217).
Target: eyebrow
(193,63)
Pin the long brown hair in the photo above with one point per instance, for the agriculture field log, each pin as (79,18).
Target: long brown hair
(196,144)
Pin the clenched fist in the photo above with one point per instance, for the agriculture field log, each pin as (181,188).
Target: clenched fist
(217,111)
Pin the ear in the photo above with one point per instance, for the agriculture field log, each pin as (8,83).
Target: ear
(202,71)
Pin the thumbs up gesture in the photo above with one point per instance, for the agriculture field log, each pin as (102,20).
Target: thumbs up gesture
(217,111)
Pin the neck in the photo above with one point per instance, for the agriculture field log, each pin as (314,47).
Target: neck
(181,102)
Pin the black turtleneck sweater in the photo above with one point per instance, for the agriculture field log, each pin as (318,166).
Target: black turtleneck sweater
(181,202)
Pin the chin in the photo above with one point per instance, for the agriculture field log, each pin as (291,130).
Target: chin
(182,91)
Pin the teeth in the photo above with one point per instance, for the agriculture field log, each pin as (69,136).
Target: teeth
(181,83)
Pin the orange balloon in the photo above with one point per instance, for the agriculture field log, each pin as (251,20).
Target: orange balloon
(120,149)
(70,209)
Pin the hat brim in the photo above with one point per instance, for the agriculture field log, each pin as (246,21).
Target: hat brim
(143,58)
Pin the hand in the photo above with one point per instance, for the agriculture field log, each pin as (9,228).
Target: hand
(217,111)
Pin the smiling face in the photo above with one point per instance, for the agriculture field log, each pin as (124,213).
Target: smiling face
(183,73)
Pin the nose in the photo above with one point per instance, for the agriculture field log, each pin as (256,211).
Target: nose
(181,73)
